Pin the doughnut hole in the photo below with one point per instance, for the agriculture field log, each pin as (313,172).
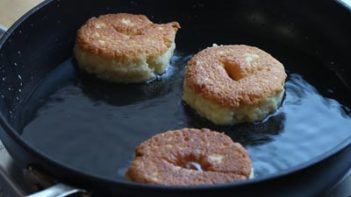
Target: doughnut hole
(233,70)
(194,162)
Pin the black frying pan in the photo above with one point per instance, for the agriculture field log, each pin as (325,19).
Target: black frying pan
(83,131)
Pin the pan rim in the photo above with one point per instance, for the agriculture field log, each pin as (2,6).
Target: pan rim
(37,154)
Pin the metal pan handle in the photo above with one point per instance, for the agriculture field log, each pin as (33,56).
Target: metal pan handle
(58,190)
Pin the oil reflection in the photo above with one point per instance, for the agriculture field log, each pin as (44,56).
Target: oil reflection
(245,133)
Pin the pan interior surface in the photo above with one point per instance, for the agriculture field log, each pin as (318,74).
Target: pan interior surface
(93,126)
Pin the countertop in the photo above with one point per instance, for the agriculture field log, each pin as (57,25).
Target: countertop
(11,10)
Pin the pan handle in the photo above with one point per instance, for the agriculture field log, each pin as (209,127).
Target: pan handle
(58,190)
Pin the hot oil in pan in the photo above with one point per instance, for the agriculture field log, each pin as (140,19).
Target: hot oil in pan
(95,126)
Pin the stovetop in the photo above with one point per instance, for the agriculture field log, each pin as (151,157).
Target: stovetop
(10,182)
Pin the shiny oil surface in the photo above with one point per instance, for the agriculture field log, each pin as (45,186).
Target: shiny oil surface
(94,126)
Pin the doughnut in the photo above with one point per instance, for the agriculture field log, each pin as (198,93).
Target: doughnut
(189,157)
(124,48)
(230,84)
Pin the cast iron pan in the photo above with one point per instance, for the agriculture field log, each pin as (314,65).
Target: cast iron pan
(83,131)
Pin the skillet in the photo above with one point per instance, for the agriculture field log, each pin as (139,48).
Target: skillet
(83,131)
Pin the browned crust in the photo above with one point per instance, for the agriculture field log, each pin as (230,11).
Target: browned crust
(125,36)
(160,159)
(255,81)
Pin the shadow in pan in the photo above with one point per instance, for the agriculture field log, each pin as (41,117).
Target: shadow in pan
(245,133)
(127,94)
(120,94)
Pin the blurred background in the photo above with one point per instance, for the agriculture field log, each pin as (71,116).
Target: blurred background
(11,10)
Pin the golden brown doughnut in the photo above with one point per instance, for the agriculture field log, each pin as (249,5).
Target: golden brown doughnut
(234,83)
(189,157)
(124,47)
